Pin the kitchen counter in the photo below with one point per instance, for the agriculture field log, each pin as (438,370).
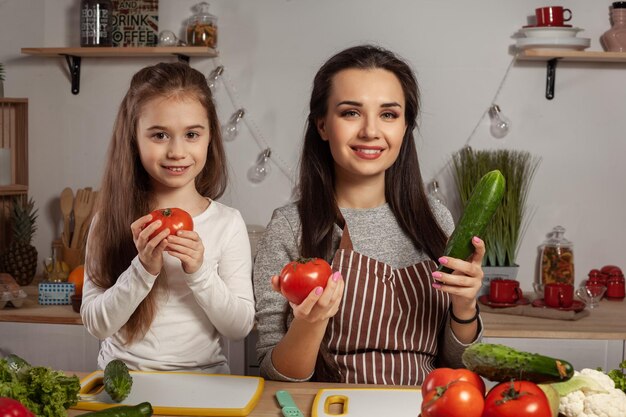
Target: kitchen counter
(601,324)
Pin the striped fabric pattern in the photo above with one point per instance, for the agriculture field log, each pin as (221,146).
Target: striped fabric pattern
(386,331)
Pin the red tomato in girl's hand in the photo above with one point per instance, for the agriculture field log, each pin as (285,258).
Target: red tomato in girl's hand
(13,408)
(455,399)
(300,277)
(442,376)
(171,218)
(517,399)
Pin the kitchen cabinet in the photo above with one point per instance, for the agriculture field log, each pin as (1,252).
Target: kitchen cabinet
(73,56)
(552,56)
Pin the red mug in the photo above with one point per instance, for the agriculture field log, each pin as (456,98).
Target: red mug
(558,295)
(552,16)
(504,291)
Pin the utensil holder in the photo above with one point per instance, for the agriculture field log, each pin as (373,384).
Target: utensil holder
(72,257)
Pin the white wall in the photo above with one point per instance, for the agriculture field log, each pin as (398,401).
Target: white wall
(271,50)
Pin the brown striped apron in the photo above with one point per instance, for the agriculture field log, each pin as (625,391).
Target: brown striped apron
(388,326)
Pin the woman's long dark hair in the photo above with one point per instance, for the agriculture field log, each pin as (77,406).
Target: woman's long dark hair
(404,191)
(126,190)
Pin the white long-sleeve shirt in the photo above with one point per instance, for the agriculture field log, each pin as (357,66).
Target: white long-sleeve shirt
(195,311)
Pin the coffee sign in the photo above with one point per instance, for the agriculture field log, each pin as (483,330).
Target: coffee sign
(135,23)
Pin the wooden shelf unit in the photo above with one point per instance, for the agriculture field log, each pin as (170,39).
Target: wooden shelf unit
(73,56)
(552,56)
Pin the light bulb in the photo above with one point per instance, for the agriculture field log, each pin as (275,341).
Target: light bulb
(229,132)
(212,78)
(261,169)
(436,193)
(168,38)
(500,125)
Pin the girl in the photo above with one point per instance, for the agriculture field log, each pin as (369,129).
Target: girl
(382,318)
(164,303)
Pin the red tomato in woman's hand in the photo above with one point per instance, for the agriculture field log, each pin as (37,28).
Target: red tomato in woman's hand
(454,399)
(517,399)
(300,277)
(13,408)
(443,376)
(174,219)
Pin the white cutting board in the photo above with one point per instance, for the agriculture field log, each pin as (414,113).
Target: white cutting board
(179,393)
(367,402)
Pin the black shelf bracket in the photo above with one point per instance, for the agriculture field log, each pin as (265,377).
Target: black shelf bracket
(550,78)
(73,63)
(183,58)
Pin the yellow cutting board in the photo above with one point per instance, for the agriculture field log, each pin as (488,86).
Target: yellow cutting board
(367,402)
(179,393)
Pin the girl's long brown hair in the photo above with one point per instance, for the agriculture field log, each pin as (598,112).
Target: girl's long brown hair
(404,190)
(126,191)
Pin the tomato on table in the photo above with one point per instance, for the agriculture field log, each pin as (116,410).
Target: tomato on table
(13,408)
(517,399)
(458,398)
(174,219)
(443,376)
(298,278)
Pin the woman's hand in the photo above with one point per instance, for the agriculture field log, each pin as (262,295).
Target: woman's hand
(187,246)
(150,251)
(464,283)
(321,304)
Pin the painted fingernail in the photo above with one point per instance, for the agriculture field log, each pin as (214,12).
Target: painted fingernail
(443,260)
(436,285)
(319,291)
(437,274)
(477,239)
(336,276)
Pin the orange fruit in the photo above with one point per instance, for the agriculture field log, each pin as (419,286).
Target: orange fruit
(77,276)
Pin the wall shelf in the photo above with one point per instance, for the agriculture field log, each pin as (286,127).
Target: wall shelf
(552,56)
(73,56)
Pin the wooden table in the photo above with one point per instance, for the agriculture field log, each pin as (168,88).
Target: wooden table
(303,394)
(32,312)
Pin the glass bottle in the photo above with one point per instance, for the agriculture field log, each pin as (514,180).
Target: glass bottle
(202,27)
(95,22)
(614,39)
(557,258)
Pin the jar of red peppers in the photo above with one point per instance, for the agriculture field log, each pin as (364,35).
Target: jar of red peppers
(557,258)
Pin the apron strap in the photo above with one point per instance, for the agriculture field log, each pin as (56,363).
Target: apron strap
(346,241)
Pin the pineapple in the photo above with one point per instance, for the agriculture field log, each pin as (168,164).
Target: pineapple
(20,257)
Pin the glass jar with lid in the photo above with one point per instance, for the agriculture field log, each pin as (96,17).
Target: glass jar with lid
(557,258)
(202,27)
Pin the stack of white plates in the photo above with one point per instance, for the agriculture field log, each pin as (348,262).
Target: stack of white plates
(552,37)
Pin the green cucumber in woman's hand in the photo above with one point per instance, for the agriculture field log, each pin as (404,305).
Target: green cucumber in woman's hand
(140,410)
(479,210)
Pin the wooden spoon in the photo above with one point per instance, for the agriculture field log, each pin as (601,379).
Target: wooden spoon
(67,202)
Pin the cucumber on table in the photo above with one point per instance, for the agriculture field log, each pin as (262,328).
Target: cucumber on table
(117,380)
(140,410)
(503,363)
(479,210)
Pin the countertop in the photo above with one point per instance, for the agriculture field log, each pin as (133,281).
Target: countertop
(601,324)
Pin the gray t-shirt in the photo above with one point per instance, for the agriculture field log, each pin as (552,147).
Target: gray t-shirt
(374,232)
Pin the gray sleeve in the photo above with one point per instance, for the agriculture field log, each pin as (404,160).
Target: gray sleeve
(443,216)
(277,247)
(452,349)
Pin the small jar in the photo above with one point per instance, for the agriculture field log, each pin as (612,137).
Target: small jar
(202,27)
(614,39)
(557,258)
(615,286)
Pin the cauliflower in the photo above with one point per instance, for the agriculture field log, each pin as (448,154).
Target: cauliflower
(600,399)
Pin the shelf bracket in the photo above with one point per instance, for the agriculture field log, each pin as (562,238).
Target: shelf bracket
(183,58)
(73,63)
(550,78)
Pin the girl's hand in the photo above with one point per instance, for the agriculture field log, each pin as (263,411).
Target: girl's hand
(187,246)
(150,251)
(465,282)
(320,304)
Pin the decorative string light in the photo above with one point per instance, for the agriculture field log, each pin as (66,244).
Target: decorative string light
(264,160)
(230,130)
(500,125)
(482,116)
(213,77)
(261,169)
